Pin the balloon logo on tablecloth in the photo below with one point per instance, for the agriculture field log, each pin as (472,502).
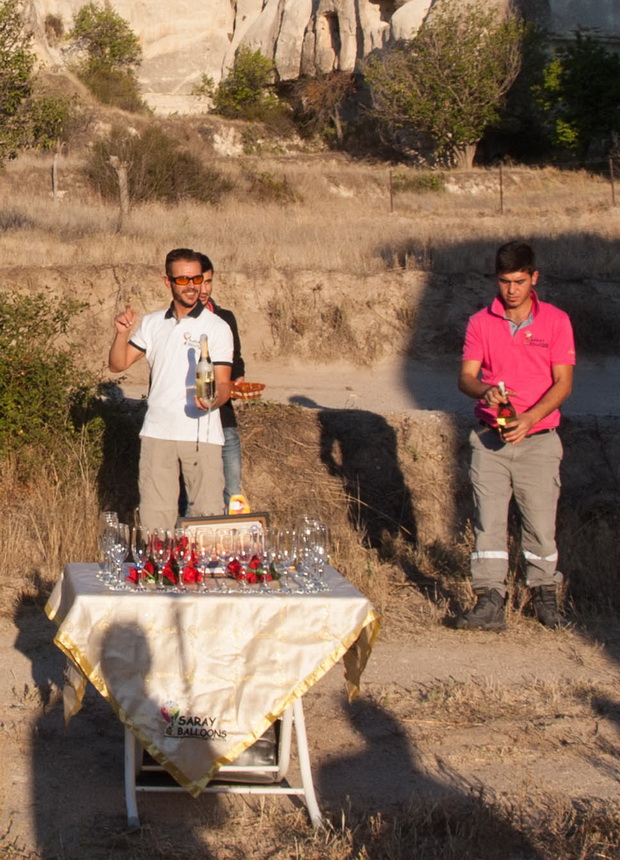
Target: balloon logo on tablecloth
(170,712)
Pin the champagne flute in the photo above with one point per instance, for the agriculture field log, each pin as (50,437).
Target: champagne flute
(182,550)
(306,551)
(118,552)
(285,558)
(205,548)
(140,550)
(242,552)
(224,539)
(107,519)
(161,541)
(272,559)
(322,549)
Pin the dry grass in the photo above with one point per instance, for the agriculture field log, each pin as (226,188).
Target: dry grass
(47,521)
(341,222)
(524,825)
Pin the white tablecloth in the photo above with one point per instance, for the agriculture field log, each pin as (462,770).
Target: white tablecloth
(198,678)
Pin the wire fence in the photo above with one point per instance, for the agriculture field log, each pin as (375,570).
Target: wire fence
(608,167)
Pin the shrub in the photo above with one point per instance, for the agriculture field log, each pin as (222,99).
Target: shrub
(157,169)
(50,119)
(268,188)
(418,183)
(116,87)
(41,384)
(246,92)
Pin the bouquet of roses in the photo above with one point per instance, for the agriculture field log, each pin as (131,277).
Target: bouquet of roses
(169,574)
(253,572)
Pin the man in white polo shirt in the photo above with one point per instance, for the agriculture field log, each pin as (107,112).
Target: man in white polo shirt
(179,431)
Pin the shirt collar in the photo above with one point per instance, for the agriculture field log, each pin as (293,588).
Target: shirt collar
(499,310)
(194,313)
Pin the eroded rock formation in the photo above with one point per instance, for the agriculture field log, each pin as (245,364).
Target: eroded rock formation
(187,38)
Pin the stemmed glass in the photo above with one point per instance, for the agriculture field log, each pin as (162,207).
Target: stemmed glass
(243,545)
(140,550)
(283,555)
(107,519)
(306,549)
(205,549)
(182,549)
(225,547)
(118,552)
(161,544)
(322,549)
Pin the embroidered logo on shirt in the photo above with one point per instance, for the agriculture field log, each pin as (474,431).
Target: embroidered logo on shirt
(530,340)
(189,341)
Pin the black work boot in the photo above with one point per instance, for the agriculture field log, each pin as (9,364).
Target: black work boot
(545,603)
(487,614)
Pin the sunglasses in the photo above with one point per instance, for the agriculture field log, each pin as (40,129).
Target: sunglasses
(183,280)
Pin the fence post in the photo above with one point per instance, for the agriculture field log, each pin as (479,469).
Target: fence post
(55,177)
(501,190)
(391,194)
(611,178)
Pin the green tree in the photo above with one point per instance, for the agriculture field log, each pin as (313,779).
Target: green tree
(581,95)
(110,54)
(244,93)
(16,65)
(447,84)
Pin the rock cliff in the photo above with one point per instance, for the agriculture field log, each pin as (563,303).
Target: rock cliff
(187,38)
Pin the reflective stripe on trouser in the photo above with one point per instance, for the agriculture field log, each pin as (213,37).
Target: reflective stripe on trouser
(530,470)
(160,463)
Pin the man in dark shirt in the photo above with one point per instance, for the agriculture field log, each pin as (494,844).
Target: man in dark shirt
(231,452)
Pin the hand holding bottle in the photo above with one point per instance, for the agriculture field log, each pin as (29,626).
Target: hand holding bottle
(506,413)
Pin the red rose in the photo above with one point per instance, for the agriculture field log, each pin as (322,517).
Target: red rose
(254,563)
(234,567)
(190,574)
(133,575)
(169,573)
(251,577)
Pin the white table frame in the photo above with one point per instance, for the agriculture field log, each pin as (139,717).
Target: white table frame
(293,715)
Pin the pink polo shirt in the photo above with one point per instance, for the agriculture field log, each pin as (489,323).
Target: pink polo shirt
(524,360)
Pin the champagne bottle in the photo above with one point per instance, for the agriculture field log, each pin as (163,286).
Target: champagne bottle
(506,412)
(205,377)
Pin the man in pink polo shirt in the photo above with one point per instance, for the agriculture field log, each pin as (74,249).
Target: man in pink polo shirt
(528,345)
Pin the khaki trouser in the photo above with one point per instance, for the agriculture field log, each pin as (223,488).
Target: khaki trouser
(531,471)
(160,463)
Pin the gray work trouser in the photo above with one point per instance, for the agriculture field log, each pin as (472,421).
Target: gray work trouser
(529,470)
(203,473)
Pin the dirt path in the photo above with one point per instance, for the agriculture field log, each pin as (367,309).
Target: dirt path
(443,713)
(399,385)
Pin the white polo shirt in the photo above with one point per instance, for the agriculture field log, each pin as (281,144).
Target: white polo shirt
(172,348)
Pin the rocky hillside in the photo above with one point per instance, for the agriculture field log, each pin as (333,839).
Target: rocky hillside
(183,41)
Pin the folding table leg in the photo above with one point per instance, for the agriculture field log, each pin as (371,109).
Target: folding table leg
(284,750)
(133,819)
(304,765)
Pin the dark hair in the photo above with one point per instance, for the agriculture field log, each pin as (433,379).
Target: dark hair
(185,254)
(515,257)
(205,262)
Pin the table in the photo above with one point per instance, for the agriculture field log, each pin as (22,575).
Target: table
(198,678)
